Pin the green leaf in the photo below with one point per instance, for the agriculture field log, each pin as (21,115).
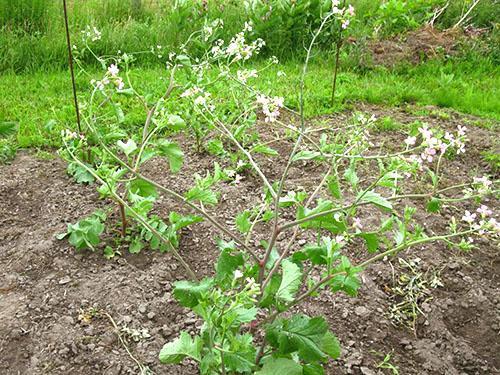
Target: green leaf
(434,205)
(284,366)
(307,336)
(183,60)
(173,153)
(135,247)
(182,347)
(266,150)
(313,369)
(127,147)
(334,187)
(351,176)
(175,122)
(371,240)
(142,188)
(323,222)
(120,116)
(188,293)
(346,280)
(376,199)
(306,155)
(243,223)
(241,359)
(290,281)
(203,195)
(79,173)
(270,291)
(227,264)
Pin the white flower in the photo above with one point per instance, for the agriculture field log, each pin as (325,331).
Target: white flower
(244,75)
(340,240)
(410,141)
(484,211)
(270,106)
(356,223)
(113,70)
(281,73)
(461,130)
(468,217)
(345,24)
(238,274)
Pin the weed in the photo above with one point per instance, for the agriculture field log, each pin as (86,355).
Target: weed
(412,290)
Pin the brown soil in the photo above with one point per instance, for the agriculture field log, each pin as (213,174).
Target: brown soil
(414,47)
(48,291)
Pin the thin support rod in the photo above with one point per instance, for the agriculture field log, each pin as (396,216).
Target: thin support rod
(70,59)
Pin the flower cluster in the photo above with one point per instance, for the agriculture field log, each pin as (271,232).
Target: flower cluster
(244,75)
(201,97)
(209,29)
(238,48)
(91,33)
(344,14)
(433,145)
(158,51)
(68,134)
(482,220)
(111,77)
(270,106)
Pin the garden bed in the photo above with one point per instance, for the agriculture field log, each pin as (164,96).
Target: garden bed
(53,300)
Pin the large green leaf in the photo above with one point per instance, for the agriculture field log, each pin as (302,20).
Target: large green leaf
(201,194)
(285,366)
(182,347)
(290,282)
(127,147)
(188,293)
(173,153)
(307,336)
(142,188)
(376,199)
(228,262)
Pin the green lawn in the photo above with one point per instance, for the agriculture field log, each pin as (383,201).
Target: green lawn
(42,103)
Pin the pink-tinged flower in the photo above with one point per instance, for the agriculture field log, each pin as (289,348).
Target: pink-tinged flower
(428,154)
(410,141)
(119,83)
(356,223)
(494,224)
(340,240)
(483,181)
(484,211)
(468,217)
(425,131)
(449,137)
(350,10)
(461,130)
(345,24)
(443,147)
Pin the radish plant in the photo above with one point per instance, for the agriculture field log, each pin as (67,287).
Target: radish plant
(301,247)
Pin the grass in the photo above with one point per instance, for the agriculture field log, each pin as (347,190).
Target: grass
(42,103)
(32,31)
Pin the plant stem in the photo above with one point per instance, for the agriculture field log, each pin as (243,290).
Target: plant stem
(138,217)
(337,56)
(123,219)
(364,264)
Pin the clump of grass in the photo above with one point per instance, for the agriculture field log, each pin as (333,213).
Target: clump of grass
(388,124)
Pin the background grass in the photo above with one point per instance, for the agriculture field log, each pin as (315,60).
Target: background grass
(36,90)
(42,103)
(32,31)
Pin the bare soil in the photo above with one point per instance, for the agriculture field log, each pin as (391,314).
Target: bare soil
(53,299)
